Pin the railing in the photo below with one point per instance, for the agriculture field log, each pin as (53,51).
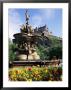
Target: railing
(38,62)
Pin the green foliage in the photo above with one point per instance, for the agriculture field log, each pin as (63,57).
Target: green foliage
(42,51)
(55,49)
(12,55)
(55,41)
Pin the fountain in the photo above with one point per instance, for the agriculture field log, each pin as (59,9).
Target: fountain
(26,42)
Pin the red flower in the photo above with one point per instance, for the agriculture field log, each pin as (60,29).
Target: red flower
(29,68)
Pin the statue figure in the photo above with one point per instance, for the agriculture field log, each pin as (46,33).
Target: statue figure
(31,30)
(23,28)
(27,16)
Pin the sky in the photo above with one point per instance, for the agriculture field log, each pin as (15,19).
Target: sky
(38,18)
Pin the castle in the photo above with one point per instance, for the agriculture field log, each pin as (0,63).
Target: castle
(42,30)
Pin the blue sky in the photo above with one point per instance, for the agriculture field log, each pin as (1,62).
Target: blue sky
(38,17)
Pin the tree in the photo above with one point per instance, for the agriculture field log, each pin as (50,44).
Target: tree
(55,51)
(12,46)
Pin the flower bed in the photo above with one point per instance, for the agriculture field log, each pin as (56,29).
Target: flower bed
(35,73)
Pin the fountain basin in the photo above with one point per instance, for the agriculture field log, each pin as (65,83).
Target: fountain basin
(30,57)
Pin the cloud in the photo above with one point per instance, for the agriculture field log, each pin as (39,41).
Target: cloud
(14,22)
(47,13)
(42,17)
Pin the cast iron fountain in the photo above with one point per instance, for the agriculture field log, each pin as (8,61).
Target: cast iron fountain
(26,42)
